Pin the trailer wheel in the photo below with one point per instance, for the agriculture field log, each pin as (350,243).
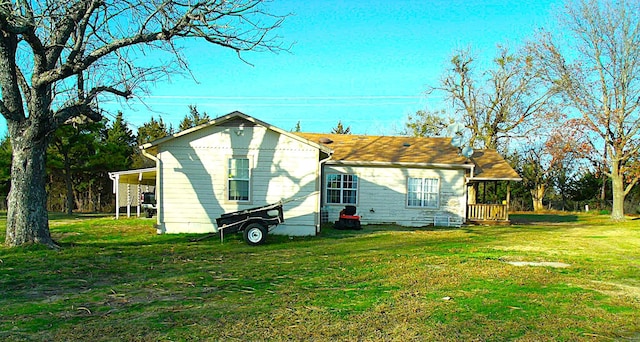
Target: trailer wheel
(255,234)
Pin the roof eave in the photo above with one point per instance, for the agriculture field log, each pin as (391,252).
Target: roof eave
(396,164)
(134,171)
(495,179)
(230,116)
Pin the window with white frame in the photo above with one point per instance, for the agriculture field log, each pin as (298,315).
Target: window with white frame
(342,189)
(423,192)
(239,179)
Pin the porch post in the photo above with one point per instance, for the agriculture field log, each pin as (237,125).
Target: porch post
(508,198)
(473,193)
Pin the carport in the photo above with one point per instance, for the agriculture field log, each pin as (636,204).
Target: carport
(134,183)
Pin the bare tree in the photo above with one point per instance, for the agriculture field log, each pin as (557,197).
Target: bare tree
(58,57)
(597,70)
(505,102)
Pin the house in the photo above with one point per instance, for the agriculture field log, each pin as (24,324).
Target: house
(410,181)
(236,162)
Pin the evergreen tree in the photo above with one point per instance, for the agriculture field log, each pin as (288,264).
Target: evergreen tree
(151,131)
(193,119)
(148,132)
(119,145)
(71,161)
(340,129)
(5,170)
(297,129)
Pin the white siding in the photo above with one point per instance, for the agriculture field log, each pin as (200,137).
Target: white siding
(382,195)
(194,178)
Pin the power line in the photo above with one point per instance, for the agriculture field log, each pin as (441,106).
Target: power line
(287,98)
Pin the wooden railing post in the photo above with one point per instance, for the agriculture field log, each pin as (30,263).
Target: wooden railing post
(488,212)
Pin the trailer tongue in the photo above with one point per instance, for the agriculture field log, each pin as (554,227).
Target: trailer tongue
(254,223)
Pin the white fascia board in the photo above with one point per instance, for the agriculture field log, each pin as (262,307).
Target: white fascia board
(494,179)
(392,164)
(130,172)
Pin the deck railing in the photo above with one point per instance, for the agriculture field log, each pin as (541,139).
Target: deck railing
(487,212)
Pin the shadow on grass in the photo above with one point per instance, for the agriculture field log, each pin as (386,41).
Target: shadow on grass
(173,239)
(64,216)
(536,219)
(329,232)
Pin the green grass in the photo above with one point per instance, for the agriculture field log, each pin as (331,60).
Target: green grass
(118,280)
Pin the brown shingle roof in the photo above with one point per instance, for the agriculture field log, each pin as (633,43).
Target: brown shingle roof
(411,150)
(490,166)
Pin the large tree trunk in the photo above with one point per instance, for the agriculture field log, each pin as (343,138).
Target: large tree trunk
(537,194)
(27,217)
(617,188)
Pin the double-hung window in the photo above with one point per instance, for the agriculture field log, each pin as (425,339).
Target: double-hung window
(342,189)
(423,192)
(239,179)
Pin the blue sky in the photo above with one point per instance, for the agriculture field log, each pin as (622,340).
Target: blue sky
(366,63)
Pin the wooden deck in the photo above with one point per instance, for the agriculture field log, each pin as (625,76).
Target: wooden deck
(488,213)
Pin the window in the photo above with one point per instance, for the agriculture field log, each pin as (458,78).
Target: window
(342,189)
(239,179)
(423,192)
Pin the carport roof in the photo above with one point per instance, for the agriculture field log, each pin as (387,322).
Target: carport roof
(139,176)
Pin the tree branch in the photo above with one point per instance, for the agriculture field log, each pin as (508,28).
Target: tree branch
(175,20)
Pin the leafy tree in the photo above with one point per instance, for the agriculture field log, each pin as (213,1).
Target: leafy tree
(427,124)
(567,147)
(193,119)
(552,163)
(57,58)
(597,70)
(505,102)
(587,187)
(340,129)
(535,169)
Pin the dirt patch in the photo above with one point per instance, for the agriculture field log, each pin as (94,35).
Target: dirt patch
(538,263)
(617,289)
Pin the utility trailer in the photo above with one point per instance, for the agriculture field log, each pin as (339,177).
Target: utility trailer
(254,223)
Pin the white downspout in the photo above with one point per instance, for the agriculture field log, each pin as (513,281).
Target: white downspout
(160,208)
(322,161)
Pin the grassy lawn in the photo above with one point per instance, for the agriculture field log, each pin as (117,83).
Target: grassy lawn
(118,280)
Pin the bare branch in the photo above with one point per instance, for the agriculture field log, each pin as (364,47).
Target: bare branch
(208,20)
(599,77)
(507,102)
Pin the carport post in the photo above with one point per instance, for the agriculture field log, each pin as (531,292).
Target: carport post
(116,190)
(139,193)
(128,200)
